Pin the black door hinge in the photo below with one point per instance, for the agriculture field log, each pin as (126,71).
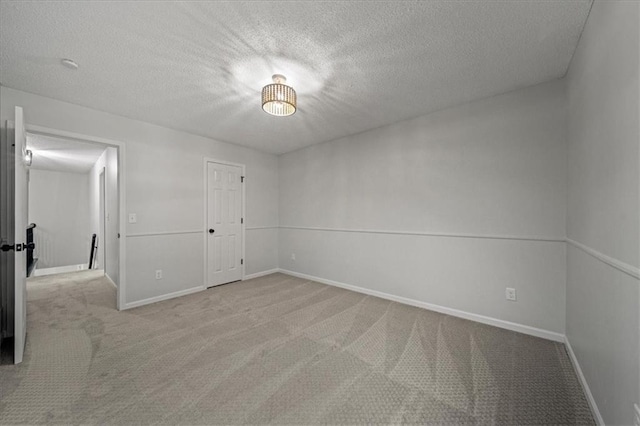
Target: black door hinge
(242,220)
(242,261)
(242,179)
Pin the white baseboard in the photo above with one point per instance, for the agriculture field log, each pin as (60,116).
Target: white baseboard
(533,331)
(260,274)
(583,381)
(180,293)
(59,270)
(160,298)
(111,281)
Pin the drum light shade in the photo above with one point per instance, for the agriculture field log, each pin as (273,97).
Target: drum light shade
(279,99)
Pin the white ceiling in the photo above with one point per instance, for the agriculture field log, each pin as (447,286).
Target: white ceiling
(62,155)
(199,66)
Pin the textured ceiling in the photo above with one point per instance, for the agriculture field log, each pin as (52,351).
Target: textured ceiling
(199,66)
(62,155)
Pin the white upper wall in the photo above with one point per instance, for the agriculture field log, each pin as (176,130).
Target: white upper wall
(494,167)
(604,144)
(59,206)
(165,165)
(603,214)
(492,171)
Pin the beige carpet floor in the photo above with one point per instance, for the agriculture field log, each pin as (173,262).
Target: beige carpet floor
(278,350)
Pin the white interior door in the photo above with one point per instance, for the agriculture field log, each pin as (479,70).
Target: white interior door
(20,236)
(224,223)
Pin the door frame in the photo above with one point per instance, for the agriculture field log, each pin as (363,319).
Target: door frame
(206,161)
(122,201)
(19,294)
(102,217)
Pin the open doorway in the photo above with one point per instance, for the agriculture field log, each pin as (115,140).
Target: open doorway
(73,206)
(19,256)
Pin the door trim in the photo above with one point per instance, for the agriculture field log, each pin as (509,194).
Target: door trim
(206,161)
(19,295)
(122,201)
(102,214)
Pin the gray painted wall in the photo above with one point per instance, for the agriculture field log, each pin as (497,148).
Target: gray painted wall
(603,302)
(165,188)
(488,176)
(59,206)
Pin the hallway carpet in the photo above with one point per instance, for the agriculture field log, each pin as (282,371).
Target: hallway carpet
(277,350)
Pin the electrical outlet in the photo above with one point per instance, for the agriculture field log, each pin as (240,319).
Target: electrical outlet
(510,294)
(159,274)
(293,256)
(133,218)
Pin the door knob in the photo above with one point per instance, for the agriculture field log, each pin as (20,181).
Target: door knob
(211,231)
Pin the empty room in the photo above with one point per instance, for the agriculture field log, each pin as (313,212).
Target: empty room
(333,212)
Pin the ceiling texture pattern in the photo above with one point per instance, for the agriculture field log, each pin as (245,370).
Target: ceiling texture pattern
(199,66)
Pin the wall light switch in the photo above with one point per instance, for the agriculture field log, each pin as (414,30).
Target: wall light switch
(133,218)
(159,274)
(510,294)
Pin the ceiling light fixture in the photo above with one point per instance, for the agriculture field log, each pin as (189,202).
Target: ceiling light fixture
(72,65)
(28,157)
(279,99)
